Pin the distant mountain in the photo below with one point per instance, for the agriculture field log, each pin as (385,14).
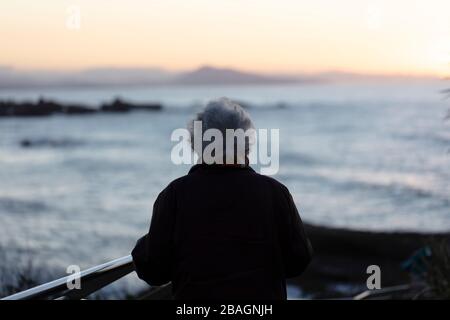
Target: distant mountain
(127,75)
(209,75)
(106,77)
(340,76)
(12,78)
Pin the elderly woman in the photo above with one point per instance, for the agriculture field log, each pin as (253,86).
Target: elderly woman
(223,231)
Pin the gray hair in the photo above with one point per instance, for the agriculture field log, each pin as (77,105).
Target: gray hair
(223,114)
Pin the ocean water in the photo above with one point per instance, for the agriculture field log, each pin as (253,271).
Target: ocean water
(369,156)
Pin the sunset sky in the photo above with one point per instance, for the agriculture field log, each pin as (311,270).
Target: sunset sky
(385,36)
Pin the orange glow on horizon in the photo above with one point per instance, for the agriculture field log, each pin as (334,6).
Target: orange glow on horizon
(361,36)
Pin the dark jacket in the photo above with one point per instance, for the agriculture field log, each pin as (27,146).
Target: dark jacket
(223,232)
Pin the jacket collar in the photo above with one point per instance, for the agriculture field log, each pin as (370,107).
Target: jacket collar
(218,167)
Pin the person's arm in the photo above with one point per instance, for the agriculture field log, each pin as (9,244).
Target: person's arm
(153,253)
(295,246)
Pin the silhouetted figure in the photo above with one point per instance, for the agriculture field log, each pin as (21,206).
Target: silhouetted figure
(223,231)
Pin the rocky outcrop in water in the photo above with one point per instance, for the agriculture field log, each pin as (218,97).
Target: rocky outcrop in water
(121,106)
(48,142)
(45,107)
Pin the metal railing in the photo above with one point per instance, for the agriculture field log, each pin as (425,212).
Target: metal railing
(97,277)
(385,293)
(91,280)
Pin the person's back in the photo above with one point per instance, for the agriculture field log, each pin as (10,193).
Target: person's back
(223,232)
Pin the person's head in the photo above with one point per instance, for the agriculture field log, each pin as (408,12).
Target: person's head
(224,120)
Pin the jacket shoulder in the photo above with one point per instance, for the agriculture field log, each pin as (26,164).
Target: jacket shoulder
(175,184)
(274,183)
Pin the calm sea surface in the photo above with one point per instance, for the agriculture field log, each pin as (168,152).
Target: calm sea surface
(363,156)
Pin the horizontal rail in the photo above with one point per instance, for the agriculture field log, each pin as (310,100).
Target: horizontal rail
(97,277)
(91,280)
(380,293)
